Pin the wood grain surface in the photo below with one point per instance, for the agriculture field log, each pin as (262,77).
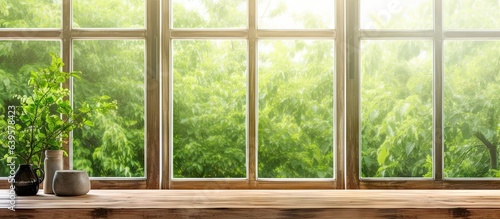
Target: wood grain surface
(173,199)
(259,204)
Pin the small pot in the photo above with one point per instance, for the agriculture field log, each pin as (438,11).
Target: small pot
(27,180)
(71,183)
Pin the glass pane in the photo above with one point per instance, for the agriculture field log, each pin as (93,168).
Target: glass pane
(285,14)
(396,108)
(296,109)
(17,60)
(114,146)
(30,14)
(472,108)
(471,14)
(396,14)
(210,13)
(109,13)
(209,108)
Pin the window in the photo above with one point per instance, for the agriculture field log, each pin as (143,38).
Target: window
(420,80)
(109,42)
(272,94)
(241,115)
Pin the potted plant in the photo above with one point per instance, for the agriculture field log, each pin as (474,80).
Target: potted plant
(44,121)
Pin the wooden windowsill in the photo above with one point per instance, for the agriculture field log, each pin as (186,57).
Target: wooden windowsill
(222,204)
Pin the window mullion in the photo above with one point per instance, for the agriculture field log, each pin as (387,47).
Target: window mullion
(66,57)
(152,154)
(340,144)
(352,96)
(166,100)
(252,93)
(438,90)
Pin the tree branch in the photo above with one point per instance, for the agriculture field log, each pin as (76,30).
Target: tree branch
(491,148)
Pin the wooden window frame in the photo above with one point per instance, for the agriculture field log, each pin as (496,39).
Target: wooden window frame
(252,34)
(353,133)
(150,34)
(159,35)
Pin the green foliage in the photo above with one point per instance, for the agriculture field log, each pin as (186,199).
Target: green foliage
(397,103)
(472,103)
(210,14)
(295,92)
(396,106)
(209,109)
(30,14)
(115,146)
(210,104)
(17,60)
(108,14)
(471,14)
(45,117)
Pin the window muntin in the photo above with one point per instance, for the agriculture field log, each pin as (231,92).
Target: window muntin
(282,14)
(115,145)
(471,108)
(296,109)
(209,13)
(30,14)
(396,14)
(209,108)
(108,14)
(396,108)
(17,59)
(471,14)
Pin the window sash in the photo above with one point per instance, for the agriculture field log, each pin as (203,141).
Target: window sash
(353,126)
(151,36)
(252,35)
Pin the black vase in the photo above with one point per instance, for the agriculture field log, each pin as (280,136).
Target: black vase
(27,182)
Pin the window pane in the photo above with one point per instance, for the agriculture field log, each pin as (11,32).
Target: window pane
(30,14)
(396,108)
(210,97)
(283,14)
(396,14)
(114,147)
(472,108)
(210,13)
(296,109)
(471,14)
(109,13)
(17,60)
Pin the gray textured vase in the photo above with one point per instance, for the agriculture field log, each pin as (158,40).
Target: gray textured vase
(71,182)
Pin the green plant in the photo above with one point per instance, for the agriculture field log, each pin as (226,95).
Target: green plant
(45,116)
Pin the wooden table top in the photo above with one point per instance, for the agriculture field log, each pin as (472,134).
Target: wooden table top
(170,199)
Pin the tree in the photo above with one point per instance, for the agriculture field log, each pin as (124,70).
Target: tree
(295,99)
(115,146)
(396,101)
(295,102)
